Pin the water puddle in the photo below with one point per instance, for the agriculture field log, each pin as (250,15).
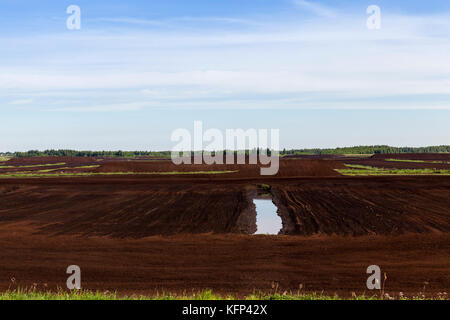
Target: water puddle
(267,219)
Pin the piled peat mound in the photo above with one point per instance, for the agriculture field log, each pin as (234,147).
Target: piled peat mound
(158,166)
(28,161)
(312,199)
(414,156)
(364,206)
(310,168)
(386,164)
(48,165)
(314,156)
(128,210)
(287,168)
(404,161)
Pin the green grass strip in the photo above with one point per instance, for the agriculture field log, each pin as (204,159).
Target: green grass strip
(359,166)
(203,295)
(393,172)
(360,170)
(34,166)
(31,174)
(64,168)
(418,161)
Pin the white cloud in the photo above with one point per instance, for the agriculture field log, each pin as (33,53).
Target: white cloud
(132,106)
(310,64)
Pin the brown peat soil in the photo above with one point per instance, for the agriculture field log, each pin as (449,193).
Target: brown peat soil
(139,234)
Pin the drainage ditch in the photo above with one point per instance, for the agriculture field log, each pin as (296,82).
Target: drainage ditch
(267,219)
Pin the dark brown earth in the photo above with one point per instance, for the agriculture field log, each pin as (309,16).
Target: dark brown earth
(431,161)
(291,168)
(139,234)
(415,156)
(153,205)
(288,168)
(226,263)
(49,160)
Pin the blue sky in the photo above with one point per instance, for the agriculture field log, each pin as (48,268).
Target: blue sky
(137,70)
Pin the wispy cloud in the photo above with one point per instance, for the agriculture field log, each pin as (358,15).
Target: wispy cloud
(21,102)
(316,8)
(289,65)
(131,106)
(129,20)
(228,20)
(171,22)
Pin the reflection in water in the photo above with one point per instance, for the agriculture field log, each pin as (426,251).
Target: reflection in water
(267,219)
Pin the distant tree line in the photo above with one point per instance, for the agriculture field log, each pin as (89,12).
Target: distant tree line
(382,149)
(75,153)
(370,150)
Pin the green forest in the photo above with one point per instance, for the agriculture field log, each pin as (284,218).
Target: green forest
(381,149)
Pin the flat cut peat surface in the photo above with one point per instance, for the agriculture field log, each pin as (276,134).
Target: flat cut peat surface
(141,234)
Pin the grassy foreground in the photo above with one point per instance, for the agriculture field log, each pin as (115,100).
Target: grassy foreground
(204,295)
